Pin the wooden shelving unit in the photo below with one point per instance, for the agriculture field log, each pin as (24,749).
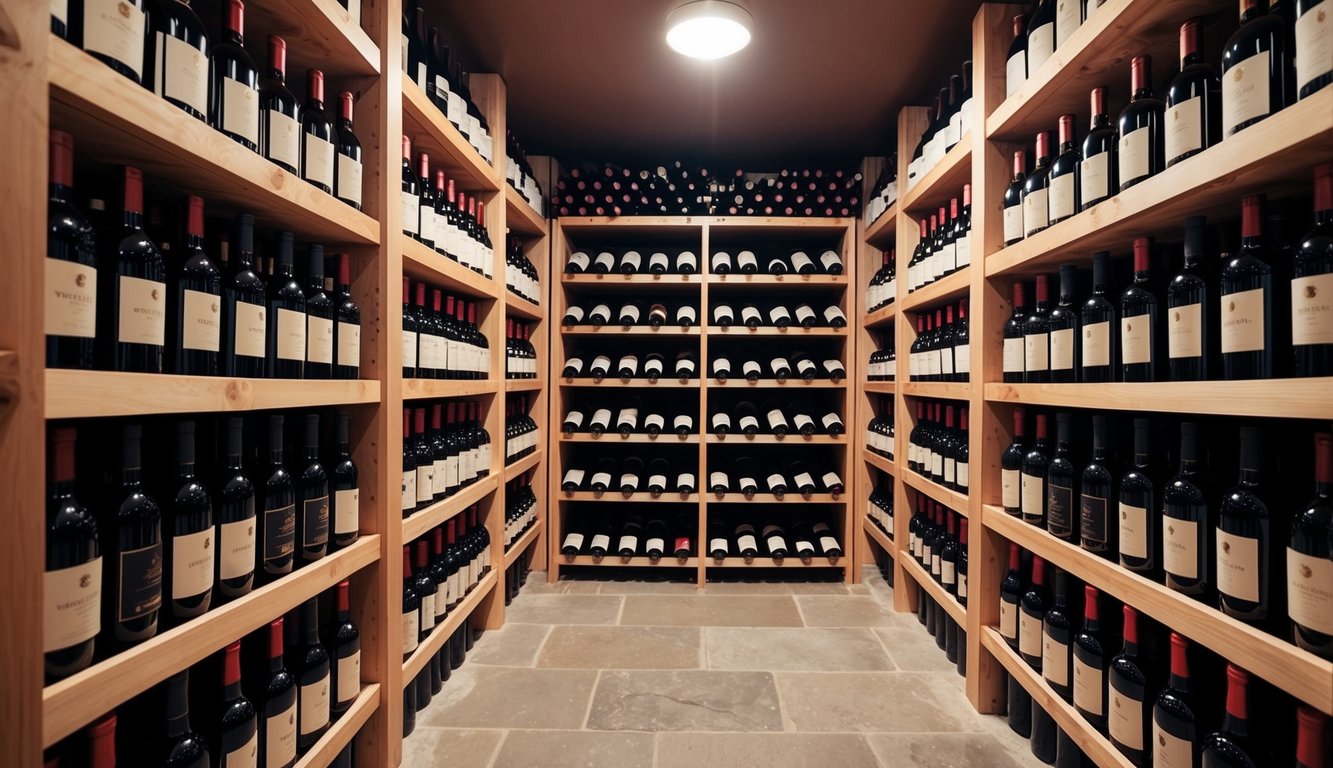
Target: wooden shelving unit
(878,536)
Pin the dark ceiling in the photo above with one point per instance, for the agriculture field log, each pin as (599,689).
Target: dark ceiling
(822,79)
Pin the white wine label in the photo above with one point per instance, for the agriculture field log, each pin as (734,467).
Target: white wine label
(1136,339)
(1088,685)
(1238,566)
(1314,44)
(280,738)
(1310,591)
(1312,305)
(629,480)
(962,255)
(1041,44)
(1062,350)
(349,345)
(601,478)
(1068,17)
(1029,634)
(1134,156)
(579,259)
(349,671)
(685,482)
(1015,72)
(426,619)
(1036,211)
(291,335)
(1184,331)
(313,704)
(1097,344)
(244,756)
(1009,620)
(1245,92)
(319,339)
(347,510)
(1126,719)
(236,548)
(1094,178)
(201,324)
(774,480)
(115,28)
(601,541)
(251,330)
(1184,127)
(1034,496)
(143,311)
(629,542)
(718,544)
(409,491)
(1010,481)
(409,348)
(962,358)
(1013,223)
(1180,547)
(71,299)
(284,139)
(574,541)
(1133,531)
(411,626)
(60,11)
(962,472)
(71,605)
(240,110)
(318,160)
(718,479)
(1060,201)
(831,480)
(182,72)
(349,172)
(411,208)
(1243,321)
(746,541)
(1054,661)
(1037,351)
(192,564)
(1013,356)
(1170,751)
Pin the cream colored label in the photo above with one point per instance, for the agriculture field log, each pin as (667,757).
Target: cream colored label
(1094,179)
(1310,591)
(1062,350)
(411,631)
(409,491)
(143,311)
(1054,661)
(1068,16)
(1180,547)
(347,510)
(71,299)
(1029,634)
(314,705)
(349,677)
(1133,531)
(182,72)
(1126,720)
(1312,307)
(1169,751)
(1034,493)
(409,349)
(1097,344)
(201,323)
(244,756)
(1036,211)
(192,564)
(1088,684)
(1184,128)
(1245,92)
(1015,72)
(349,179)
(1243,321)
(1238,566)
(240,109)
(319,339)
(1041,44)
(71,605)
(236,548)
(60,11)
(349,345)
(115,28)
(251,330)
(1013,356)
(1133,156)
(318,160)
(1037,350)
(284,142)
(962,359)
(1009,620)
(1009,485)
(1013,223)
(1314,44)
(280,738)
(291,335)
(1184,331)
(1136,339)
(1061,196)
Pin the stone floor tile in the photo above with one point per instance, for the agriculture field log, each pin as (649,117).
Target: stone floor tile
(628,587)
(575,749)
(871,702)
(564,609)
(775,588)
(794,649)
(912,649)
(709,611)
(850,611)
(622,648)
(941,750)
(450,746)
(513,645)
(685,701)
(478,696)
(771,750)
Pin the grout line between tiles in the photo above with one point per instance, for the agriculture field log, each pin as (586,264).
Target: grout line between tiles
(592,696)
(495,751)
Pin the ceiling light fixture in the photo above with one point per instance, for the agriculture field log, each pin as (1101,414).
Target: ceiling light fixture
(708,29)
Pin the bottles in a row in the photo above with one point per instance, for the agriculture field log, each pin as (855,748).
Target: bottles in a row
(520,176)
(883,365)
(952,116)
(937,446)
(938,541)
(443,217)
(167,49)
(521,278)
(520,508)
(1038,34)
(266,706)
(443,456)
(521,436)
(941,351)
(780,367)
(883,192)
(787,194)
(774,533)
(750,477)
(630,475)
(171,542)
(880,436)
(630,417)
(776,261)
(883,286)
(1255,550)
(632,262)
(627,367)
(778,316)
(520,354)
(633,314)
(117,300)
(631,534)
(881,505)
(774,418)
(945,245)
(440,569)
(441,340)
(426,63)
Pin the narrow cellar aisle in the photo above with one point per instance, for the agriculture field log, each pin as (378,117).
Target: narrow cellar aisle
(632,675)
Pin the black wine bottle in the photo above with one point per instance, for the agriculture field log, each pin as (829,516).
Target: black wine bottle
(1098,348)
(134,289)
(1061,480)
(286,347)
(1090,664)
(1246,293)
(1187,521)
(317,152)
(236,518)
(277,731)
(134,556)
(1057,663)
(72,581)
(196,303)
(344,644)
(1245,539)
(319,309)
(344,490)
(183,748)
(312,491)
(1193,118)
(178,57)
(1140,320)
(233,94)
(1142,135)
(1098,176)
(1175,728)
(279,112)
(277,530)
(1191,312)
(190,556)
(1129,721)
(244,326)
(237,739)
(1098,494)
(1257,76)
(1138,536)
(1310,551)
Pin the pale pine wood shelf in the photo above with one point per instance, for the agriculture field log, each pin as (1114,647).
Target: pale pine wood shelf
(520,216)
(741,331)
(736,497)
(341,733)
(432,133)
(72,394)
(733,562)
(878,536)
(525,385)
(614,496)
(880,387)
(420,522)
(881,231)
(879,317)
(943,291)
(882,463)
(319,34)
(1266,398)
(943,182)
(437,389)
(943,390)
(937,592)
(790,439)
(413,665)
(614,329)
(521,544)
(517,468)
(614,438)
(520,307)
(425,263)
(613,560)
(951,499)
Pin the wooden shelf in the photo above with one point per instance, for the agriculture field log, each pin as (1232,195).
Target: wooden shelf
(880,387)
(437,637)
(880,316)
(881,231)
(523,465)
(783,224)
(943,182)
(742,331)
(790,439)
(72,394)
(616,278)
(76,701)
(613,329)
(632,383)
(925,581)
(1272,156)
(613,560)
(420,522)
(942,291)
(1094,745)
(878,536)
(882,463)
(1298,672)
(120,122)
(586,224)
(737,561)
(530,535)
(436,389)
(431,132)
(736,497)
(521,216)
(525,385)
(788,280)
(424,263)
(945,390)
(520,307)
(951,499)
(320,34)
(1267,398)
(340,733)
(613,438)
(614,496)
(792,383)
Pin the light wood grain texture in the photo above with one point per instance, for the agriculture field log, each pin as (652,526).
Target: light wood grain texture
(1299,673)
(86,394)
(924,581)
(1272,398)
(882,463)
(437,389)
(941,291)
(615,561)
(437,637)
(768,498)
(118,122)
(617,278)
(520,215)
(525,385)
(741,332)
(76,701)
(631,384)
(880,233)
(786,281)
(524,464)
(513,553)
(938,390)
(615,438)
(425,263)
(951,499)
(431,132)
(341,732)
(420,523)
(879,537)
(794,439)
(319,34)
(880,316)
(943,182)
(520,307)
(645,331)
(614,496)
(879,387)
(742,383)
(768,562)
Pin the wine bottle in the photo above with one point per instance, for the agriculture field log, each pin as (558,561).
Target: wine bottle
(1036,187)
(1310,559)
(279,112)
(1064,331)
(1187,525)
(236,519)
(1232,744)
(115,37)
(426,590)
(238,727)
(1175,729)
(1140,317)
(1097,358)
(1190,312)
(277,531)
(1016,61)
(183,748)
(1063,194)
(1246,296)
(233,95)
(1060,484)
(1311,321)
(178,64)
(134,288)
(1037,337)
(1011,469)
(1057,634)
(1041,35)
(317,152)
(1032,611)
(347,171)
(344,643)
(286,345)
(190,558)
(1015,364)
(1098,176)
(1013,202)
(1098,488)
(277,732)
(1311,736)
(1245,539)
(1193,101)
(72,581)
(1257,76)
(244,328)
(1011,593)
(410,626)
(411,195)
(319,318)
(1036,464)
(1090,665)
(347,325)
(196,303)
(312,491)
(1130,717)
(1142,144)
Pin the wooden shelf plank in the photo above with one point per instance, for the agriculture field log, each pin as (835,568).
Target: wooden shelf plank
(425,263)
(743,383)
(614,561)
(780,224)
(633,330)
(879,536)
(1094,745)
(936,590)
(632,383)
(436,389)
(1272,156)
(1298,672)
(521,216)
(319,34)
(72,703)
(523,465)
(880,316)
(942,182)
(593,223)
(786,281)
(768,562)
(420,522)
(880,387)
(437,637)
(525,385)
(951,499)
(790,439)
(613,438)
(341,733)
(941,291)
(742,331)
(768,498)
(118,122)
(616,278)
(74,394)
(881,231)
(614,496)
(520,307)
(530,535)
(1270,398)
(882,463)
(944,390)
(433,133)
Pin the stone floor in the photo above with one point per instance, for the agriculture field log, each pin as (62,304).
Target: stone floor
(640,675)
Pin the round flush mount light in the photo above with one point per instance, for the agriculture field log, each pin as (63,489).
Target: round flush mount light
(708,29)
